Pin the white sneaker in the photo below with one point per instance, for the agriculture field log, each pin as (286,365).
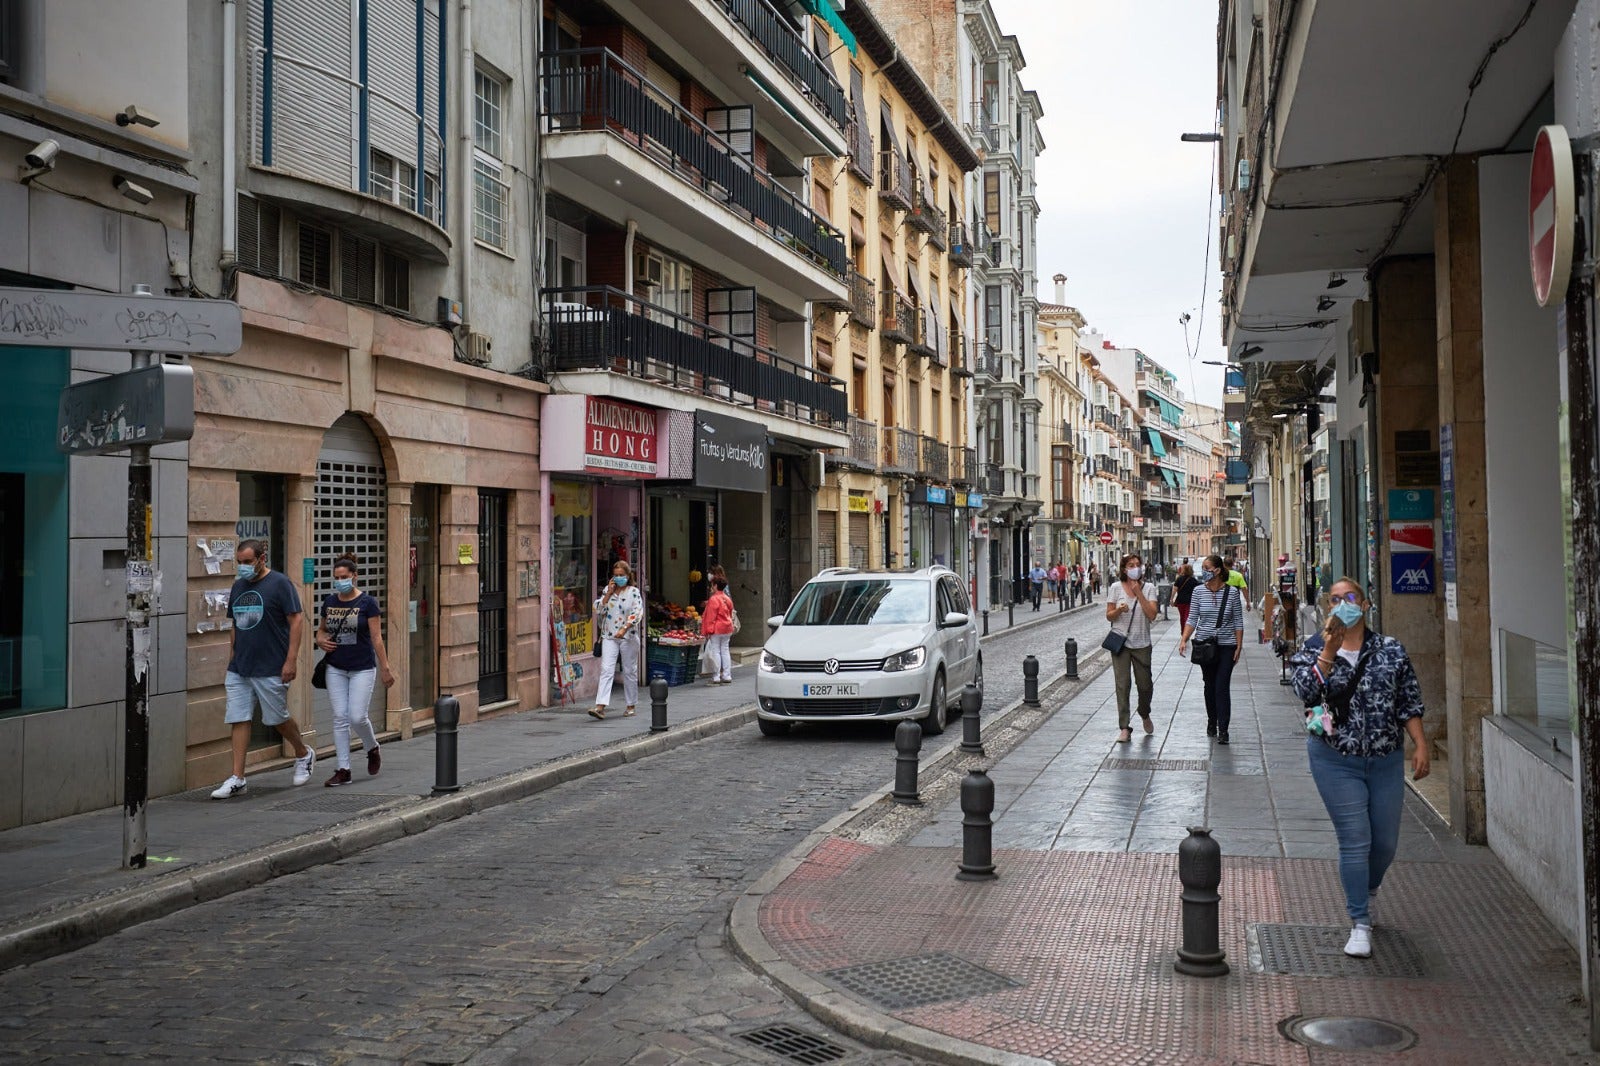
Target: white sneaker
(302,767)
(1359,946)
(230,788)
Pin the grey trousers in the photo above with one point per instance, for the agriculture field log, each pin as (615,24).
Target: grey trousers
(1132,665)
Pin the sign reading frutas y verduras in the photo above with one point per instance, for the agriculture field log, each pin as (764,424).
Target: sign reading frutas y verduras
(619,438)
(56,318)
(729,453)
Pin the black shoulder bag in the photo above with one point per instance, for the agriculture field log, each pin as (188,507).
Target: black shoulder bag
(1115,642)
(1205,651)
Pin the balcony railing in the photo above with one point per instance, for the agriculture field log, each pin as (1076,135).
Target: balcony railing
(994,480)
(863,451)
(593,89)
(897,317)
(960,355)
(921,340)
(935,459)
(960,245)
(894,180)
(927,217)
(899,450)
(963,465)
(986,362)
(863,299)
(860,157)
(601,328)
(777,37)
(982,243)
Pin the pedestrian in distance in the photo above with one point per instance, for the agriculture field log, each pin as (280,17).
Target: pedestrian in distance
(268,626)
(618,613)
(717,625)
(1036,579)
(350,635)
(1216,625)
(1053,580)
(1094,581)
(1362,701)
(1075,582)
(1181,589)
(1130,607)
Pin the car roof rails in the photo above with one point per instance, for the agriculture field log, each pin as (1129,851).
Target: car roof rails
(833,571)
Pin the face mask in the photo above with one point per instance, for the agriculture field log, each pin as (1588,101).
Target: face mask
(247,571)
(1207,575)
(1348,613)
(344,584)
(1135,572)
(620,580)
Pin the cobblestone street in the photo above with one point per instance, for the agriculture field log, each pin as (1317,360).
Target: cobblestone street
(583,925)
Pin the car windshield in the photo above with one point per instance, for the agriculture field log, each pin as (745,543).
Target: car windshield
(860,601)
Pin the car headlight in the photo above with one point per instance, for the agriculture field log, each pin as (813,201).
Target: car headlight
(770,663)
(906,660)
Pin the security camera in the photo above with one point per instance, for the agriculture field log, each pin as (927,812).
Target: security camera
(137,193)
(133,115)
(43,156)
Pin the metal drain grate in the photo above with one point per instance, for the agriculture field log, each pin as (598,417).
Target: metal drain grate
(338,802)
(794,1044)
(1156,764)
(918,980)
(1318,951)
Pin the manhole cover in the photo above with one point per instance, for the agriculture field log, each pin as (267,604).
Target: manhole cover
(1348,1033)
(1318,951)
(796,1045)
(1156,764)
(337,802)
(918,980)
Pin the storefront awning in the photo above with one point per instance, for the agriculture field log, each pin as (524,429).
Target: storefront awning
(1171,412)
(1155,442)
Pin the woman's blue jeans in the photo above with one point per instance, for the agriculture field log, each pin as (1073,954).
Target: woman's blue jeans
(1364,798)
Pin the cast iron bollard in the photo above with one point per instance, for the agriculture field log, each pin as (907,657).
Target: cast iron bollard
(1061,601)
(1011,613)
(1200,872)
(1072,659)
(658,705)
(907,742)
(986,621)
(446,716)
(971,728)
(977,830)
(1030,681)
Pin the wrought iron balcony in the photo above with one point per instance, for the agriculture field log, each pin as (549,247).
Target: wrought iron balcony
(982,243)
(601,328)
(960,245)
(860,158)
(921,341)
(994,480)
(863,453)
(894,180)
(935,459)
(777,37)
(963,465)
(592,89)
(898,450)
(863,299)
(986,362)
(927,217)
(897,319)
(960,355)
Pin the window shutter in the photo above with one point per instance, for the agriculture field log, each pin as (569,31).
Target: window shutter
(316,257)
(314,115)
(358,269)
(258,242)
(392,77)
(432,154)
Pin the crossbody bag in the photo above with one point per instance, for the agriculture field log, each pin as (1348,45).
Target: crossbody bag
(1331,715)
(1115,642)
(1206,651)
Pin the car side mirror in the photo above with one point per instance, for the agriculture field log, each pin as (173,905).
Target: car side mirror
(774,622)
(954,619)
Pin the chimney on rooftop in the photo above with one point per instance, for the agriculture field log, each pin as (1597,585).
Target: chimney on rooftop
(1061,288)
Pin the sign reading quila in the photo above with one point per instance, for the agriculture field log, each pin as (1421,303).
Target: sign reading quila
(729,453)
(619,438)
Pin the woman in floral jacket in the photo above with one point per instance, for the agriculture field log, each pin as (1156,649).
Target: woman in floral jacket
(618,612)
(1362,699)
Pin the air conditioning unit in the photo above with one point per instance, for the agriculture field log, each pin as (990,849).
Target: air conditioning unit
(479,348)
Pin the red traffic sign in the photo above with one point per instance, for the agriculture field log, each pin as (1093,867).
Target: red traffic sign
(1550,215)
(1106,537)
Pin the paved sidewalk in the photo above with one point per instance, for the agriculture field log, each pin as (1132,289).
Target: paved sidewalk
(1080,930)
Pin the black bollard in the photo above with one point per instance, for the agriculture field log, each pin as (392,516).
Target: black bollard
(1061,602)
(907,742)
(1030,681)
(1200,872)
(446,716)
(977,829)
(1011,613)
(658,705)
(971,728)
(986,621)
(1072,659)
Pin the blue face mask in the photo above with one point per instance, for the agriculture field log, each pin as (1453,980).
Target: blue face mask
(344,584)
(620,580)
(1348,614)
(247,571)
(1207,575)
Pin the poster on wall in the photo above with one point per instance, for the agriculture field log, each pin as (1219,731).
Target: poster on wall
(1447,511)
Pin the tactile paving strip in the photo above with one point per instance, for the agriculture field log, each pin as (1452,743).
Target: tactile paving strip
(917,980)
(1156,764)
(338,802)
(1318,951)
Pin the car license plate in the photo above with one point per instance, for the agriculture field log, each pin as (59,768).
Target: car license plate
(830,690)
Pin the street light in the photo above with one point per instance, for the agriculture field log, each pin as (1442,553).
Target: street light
(1201,138)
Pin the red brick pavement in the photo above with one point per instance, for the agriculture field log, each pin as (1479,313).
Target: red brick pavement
(1091,936)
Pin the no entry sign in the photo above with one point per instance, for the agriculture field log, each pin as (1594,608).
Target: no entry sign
(1106,537)
(1550,215)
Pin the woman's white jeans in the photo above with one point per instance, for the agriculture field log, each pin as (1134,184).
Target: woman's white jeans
(350,692)
(612,650)
(721,661)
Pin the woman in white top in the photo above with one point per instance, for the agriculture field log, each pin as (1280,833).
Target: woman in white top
(618,612)
(1130,606)
(1216,613)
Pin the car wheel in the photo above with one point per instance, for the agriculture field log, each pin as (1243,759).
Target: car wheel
(933,724)
(772,729)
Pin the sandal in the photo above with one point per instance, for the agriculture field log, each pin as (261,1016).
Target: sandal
(597,714)
(628,713)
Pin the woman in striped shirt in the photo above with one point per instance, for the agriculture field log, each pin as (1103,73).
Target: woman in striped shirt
(1216,613)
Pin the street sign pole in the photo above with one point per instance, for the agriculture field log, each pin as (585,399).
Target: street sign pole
(140,606)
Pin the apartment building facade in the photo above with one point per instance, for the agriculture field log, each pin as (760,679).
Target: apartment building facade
(1062,529)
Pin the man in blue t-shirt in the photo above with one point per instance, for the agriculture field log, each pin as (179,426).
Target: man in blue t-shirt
(267,627)
(1036,578)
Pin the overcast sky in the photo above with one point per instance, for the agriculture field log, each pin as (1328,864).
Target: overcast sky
(1123,203)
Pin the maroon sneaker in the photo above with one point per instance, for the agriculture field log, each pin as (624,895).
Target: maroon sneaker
(374,760)
(340,777)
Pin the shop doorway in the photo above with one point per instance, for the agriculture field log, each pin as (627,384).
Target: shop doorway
(782,516)
(679,546)
(423,599)
(491,597)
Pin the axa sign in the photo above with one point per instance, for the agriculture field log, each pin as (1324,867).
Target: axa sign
(1411,572)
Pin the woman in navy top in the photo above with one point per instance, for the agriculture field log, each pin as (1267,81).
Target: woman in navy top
(351,635)
(1216,612)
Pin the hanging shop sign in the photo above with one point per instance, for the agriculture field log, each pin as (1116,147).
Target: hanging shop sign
(937,495)
(729,453)
(619,438)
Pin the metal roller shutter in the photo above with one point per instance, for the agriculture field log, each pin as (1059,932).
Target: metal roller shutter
(827,539)
(859,539)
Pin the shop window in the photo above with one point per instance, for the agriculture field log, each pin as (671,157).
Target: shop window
(1533,683)
(571,564)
